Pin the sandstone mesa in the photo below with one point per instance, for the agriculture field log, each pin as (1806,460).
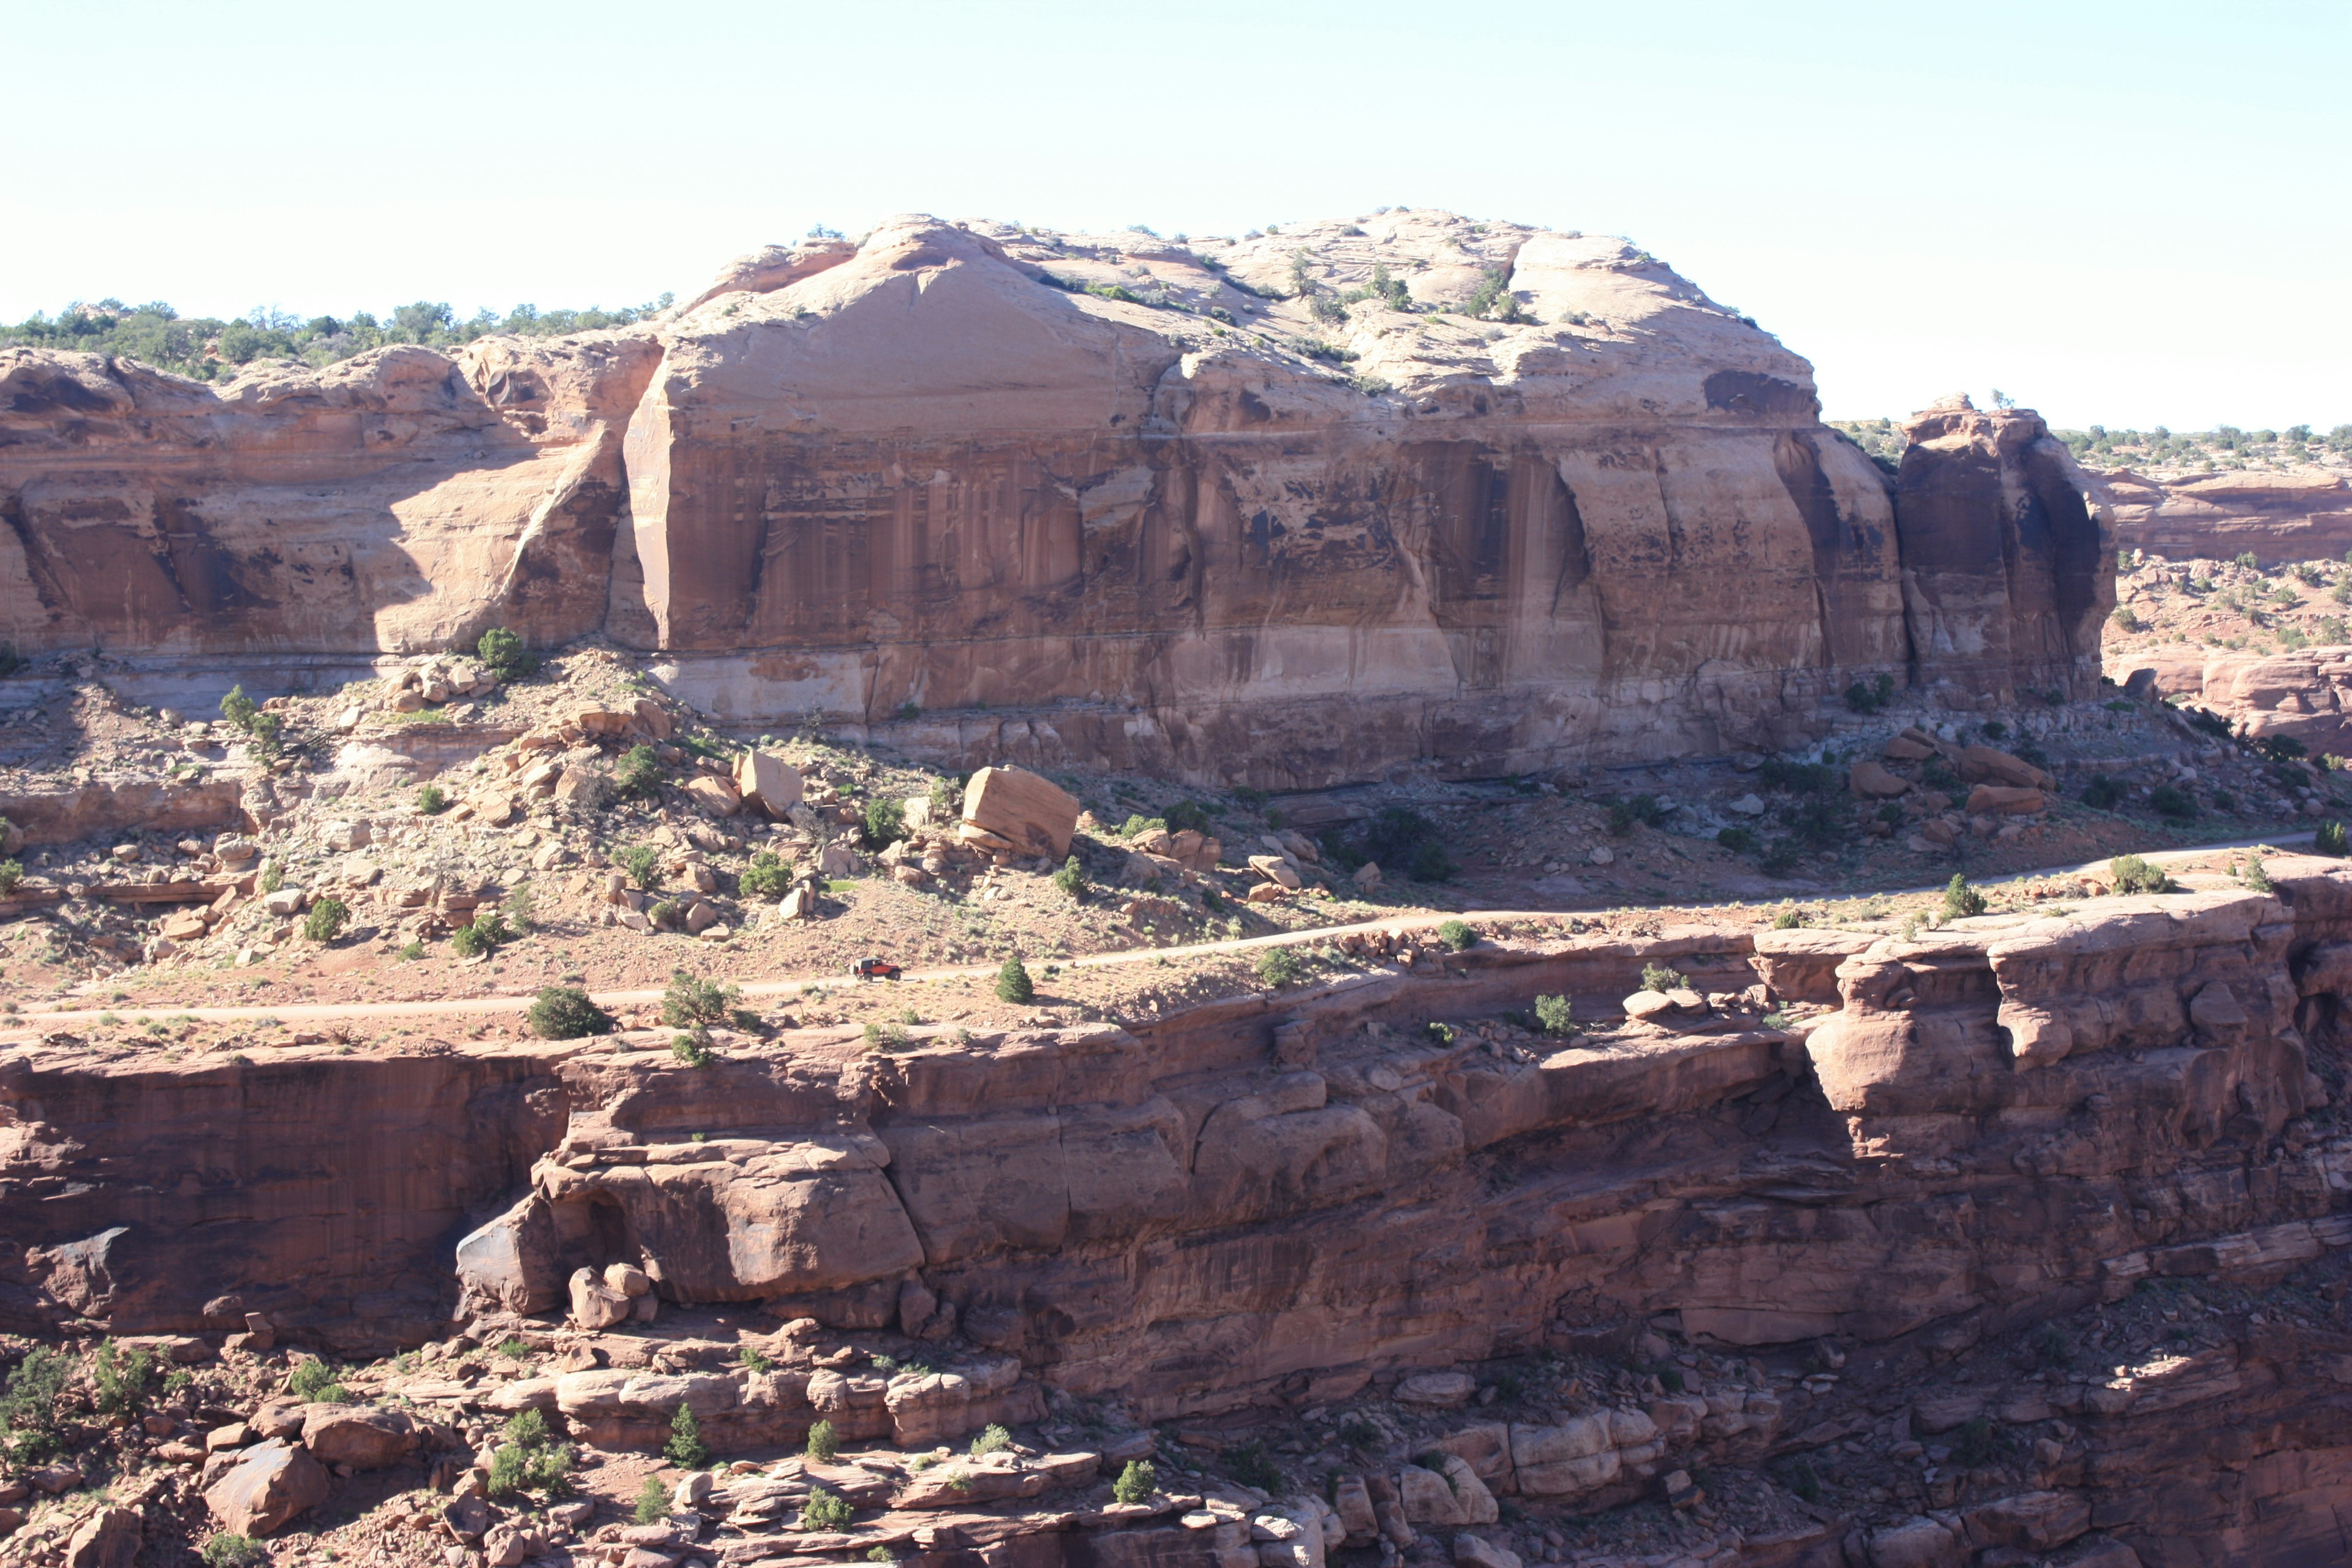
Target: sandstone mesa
(1105,500)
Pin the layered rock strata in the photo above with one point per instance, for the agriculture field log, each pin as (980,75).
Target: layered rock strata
(1276,1200)
(2297,514)
(1286,510)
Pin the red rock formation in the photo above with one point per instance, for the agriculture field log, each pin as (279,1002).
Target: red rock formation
(1269,1200)
(1218,508)
(2301,514)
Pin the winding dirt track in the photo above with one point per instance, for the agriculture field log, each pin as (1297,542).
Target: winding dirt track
(494,1006)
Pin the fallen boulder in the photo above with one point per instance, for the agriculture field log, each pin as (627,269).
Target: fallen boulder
(1029,812)
(273,1483)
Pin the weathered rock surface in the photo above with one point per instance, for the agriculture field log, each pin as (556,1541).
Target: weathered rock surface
(2300,514)
(2011,1117)
(271,1483)
(1106,498)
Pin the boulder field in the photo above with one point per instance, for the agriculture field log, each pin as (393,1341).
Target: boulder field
(1283,511)
(1892,1145)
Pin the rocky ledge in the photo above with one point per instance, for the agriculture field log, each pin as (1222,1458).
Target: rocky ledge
(1503,1238)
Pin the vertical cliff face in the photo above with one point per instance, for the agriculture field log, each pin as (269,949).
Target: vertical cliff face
(2008,564)
(1287,511)
(397,501)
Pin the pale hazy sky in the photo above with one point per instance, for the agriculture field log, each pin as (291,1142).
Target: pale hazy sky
(2126,213)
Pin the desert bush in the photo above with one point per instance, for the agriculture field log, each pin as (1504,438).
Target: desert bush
(825,1511)
(767,876)
(992,1439)
(691,1001)
(2103,792)
(1738,840)
(1962,899)
(502,653)
(886,821)
(823,1442)
(2133,874)
(1457,936)
(691,1049)
(1013,983)
(326,920)
(1788,920)
(2169,801)
(118,1377)
(226,1549)
(685,1448)
(2330,839)
(642,862)
(1279,966)
(1071,878)
(431,800)
(653,1501)
(566,1013)
(12,873)
(1136,1483)
(1554,1016)
(638,773)
(1871,696)
(2256,875)
(1658,977)
(314,1381)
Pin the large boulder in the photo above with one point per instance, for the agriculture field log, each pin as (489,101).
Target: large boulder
(767,783)
(1031,813)
(510,1263)
(358,1436)
(270,1485)
(107,1539)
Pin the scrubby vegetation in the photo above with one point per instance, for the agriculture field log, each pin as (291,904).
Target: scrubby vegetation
(211,349)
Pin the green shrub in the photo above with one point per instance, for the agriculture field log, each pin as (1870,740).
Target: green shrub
(1802,1480)
(314,1381)
(1013,983)
(753,1359)
(825,1511)
(638,773)
(1554,1016)
(992,1439)
(431,800)
(767,876)
(2167,801)
(326,920)
(502,652)
(1788,920)
(228,1549)
(1279,966)
(2104,792)
(886,821)
(691,1001)
(1974,1444)
(2133,874)
(238,709)
(823,1444)
(1071,878)
(12,873)
(653,1501)
(1738,840)
(2330,839)
(1961,900)
(1871,696)
(1457,936)
(686,1448)
(692,1049)
(1136,1483)
(566,1013)
(29,1403)
(2256,875)
(118,1377)
(643,863)
(880,1554)
(483,933)
(1658,977)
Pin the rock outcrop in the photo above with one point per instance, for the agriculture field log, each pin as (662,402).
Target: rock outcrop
(2298,514)
(1286,510)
